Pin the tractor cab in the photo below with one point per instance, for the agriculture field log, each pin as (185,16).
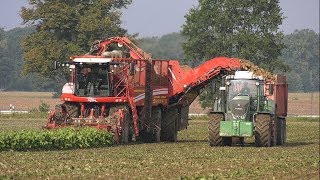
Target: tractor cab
(244,92)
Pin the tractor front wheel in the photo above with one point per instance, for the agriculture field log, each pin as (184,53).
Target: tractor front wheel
(263,130)
(214,131)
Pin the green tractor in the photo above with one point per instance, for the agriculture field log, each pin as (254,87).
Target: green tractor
(249,106)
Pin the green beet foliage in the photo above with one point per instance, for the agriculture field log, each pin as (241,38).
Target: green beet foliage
(63,138)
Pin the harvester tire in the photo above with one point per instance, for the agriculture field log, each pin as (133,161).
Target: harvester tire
(72,109)
(214,131)
(59,114)
(125,126)
(169,125)
(263,130)
(153,134)
(156,121)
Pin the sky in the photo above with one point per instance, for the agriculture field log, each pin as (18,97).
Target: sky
(159,17)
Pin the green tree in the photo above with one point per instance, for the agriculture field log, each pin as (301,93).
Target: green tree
(66,28)
(168,46)
(302,56)
(235,28)
(6,66)
(14,52)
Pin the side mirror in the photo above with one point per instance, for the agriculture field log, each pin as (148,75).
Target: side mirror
(271,88)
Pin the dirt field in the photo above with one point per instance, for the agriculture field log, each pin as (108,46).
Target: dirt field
(299,103)
(24,101)
(190,157)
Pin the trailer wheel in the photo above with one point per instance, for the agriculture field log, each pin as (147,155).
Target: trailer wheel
(214,131)
(281,139)
(284,130)
(263,130)
(168,125)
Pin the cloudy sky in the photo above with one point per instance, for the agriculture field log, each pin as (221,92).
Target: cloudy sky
(158,17)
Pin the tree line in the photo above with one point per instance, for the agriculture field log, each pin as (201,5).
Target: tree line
(301,55)
(249,30)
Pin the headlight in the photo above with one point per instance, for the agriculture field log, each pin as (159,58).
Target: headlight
(257,83)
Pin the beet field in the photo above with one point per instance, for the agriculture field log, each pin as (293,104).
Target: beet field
(189,158)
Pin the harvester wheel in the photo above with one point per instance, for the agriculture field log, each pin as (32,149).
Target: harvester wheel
(152,135)
(72,109)
(214,130)
(156,120)
(168,125)
(263,130)
(120,117)
(60,114)
(125,127)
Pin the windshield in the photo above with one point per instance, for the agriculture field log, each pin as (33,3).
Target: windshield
(92,80)
(242,87)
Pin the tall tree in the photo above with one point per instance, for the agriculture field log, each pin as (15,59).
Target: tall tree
(6,67)
(67,28)
(235,28)
(168,46)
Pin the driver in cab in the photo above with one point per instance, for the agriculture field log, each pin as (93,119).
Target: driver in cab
(245,89)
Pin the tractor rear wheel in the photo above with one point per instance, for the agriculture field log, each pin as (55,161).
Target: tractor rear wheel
(214,131)
(263,130)
(168,125)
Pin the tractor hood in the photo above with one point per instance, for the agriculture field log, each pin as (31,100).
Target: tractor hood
(239,106)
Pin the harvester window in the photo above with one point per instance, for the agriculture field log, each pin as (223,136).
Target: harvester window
(92,80)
